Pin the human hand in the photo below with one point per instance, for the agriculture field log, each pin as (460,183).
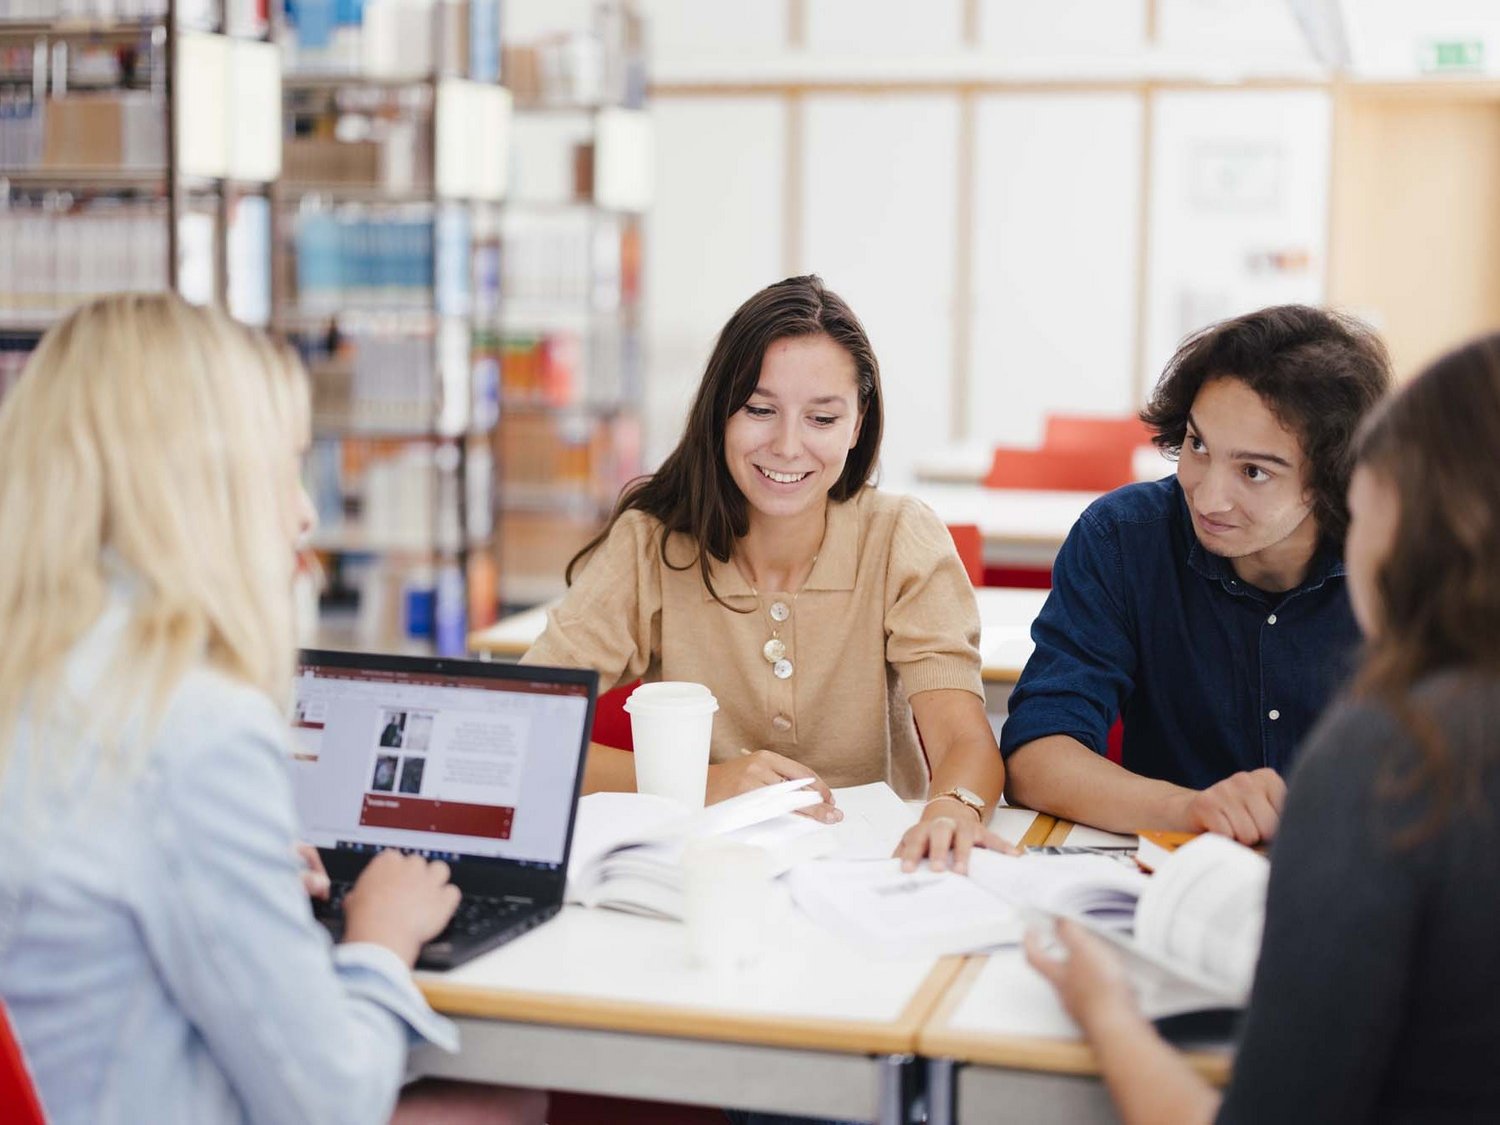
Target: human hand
(399,901)
(314,874)
(754,769)
(1244,806)
(1088,977)
(948,831)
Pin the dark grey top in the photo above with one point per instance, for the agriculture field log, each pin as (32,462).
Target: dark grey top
(1377,995)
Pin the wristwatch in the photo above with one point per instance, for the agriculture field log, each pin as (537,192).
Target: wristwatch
(965,797)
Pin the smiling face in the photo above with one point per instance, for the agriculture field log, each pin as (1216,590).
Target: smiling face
(1244,476)
(786,447)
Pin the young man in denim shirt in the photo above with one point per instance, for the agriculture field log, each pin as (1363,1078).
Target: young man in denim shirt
(1207,611)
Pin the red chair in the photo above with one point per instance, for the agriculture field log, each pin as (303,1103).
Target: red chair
(1061,470)
(611,720)
(970,545)
(19,1104)
(1082,432)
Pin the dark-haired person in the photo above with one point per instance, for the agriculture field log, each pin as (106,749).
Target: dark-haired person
(1208,611)
(1377,994)
(824,614)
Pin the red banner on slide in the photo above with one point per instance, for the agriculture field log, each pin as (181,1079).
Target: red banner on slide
(418,814)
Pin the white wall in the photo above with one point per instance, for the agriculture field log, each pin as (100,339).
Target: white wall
(1239,208)
(1056,224)
(712,238)
(878,187)
(1053,240)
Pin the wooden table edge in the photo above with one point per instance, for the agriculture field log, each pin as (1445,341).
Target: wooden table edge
(846,1036)
(1026,1052)
(1039,832)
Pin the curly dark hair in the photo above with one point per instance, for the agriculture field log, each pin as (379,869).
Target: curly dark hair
(693,492)
(1319,372)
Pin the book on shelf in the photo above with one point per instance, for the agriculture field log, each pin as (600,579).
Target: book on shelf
(628,847)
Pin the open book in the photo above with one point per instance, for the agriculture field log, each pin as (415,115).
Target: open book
(1194,936)
(1189,934)
(628,847)
(925,912)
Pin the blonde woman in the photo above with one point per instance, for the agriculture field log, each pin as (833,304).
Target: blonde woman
(157,954)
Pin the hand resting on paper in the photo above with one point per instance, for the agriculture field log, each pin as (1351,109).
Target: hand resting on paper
(947,832)
(1246,807)
(1088,976)
(754,769)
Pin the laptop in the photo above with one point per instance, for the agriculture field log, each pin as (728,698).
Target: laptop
(476,764)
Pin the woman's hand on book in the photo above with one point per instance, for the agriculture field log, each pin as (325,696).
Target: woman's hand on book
(754,769)
(1088,977)
(948,831)
(1244,806)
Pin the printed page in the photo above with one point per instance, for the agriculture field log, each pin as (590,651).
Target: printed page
(1093,887)
(1205,909)
(873,904)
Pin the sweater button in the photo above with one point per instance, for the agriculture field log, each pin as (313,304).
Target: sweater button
(781,722)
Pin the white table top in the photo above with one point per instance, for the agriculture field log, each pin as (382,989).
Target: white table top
(1019,526)
(606,969)
(1005,617)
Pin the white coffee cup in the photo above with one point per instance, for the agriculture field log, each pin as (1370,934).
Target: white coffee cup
(672,724)
(727,901)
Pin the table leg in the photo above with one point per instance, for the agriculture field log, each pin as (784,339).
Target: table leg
(940,1091)
(896,1093)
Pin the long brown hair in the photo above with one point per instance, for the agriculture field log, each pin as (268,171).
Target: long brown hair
(1436,443)
(692,492)
(1319,372)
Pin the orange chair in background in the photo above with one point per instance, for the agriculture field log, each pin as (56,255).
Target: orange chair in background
(1083,432)
(970,549)
(19,1104)
(1061,470)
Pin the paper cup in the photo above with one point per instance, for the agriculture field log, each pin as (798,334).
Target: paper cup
(727,893)
(671,724)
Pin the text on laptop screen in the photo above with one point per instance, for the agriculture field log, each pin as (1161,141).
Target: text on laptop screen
(445,764)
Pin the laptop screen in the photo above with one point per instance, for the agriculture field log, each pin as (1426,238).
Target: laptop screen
(427,756)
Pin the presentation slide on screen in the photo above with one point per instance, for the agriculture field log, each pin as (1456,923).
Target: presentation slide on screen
(440,766)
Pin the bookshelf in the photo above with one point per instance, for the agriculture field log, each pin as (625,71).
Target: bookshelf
(568,341)
(385,271)
(135,150)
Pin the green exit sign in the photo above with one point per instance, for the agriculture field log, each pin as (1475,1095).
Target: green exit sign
(1453,54)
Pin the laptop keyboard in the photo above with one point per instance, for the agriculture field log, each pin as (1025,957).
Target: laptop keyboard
(476,914)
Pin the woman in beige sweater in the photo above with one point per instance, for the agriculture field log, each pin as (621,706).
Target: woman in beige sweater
(831,620)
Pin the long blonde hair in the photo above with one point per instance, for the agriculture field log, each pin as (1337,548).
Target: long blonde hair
(148,435)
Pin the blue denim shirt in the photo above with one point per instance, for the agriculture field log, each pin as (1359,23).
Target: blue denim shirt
(1210,675)
(158,956)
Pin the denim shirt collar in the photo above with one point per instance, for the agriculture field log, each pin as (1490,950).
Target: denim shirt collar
(1326,562)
